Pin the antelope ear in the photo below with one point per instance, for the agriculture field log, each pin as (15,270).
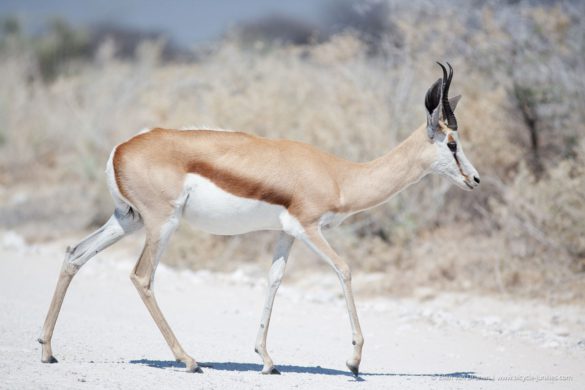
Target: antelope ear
(454,101)
(433,107)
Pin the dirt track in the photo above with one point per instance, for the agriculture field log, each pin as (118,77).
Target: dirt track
(106,339)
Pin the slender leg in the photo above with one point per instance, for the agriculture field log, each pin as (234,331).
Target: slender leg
(65,277)
(275,275)
(143,277)
(315,240)
(117,227)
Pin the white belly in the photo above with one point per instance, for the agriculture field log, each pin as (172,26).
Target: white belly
(210,208)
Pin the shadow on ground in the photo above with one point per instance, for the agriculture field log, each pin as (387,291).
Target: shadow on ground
(316,370)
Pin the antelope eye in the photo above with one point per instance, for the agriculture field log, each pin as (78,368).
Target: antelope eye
(452,146)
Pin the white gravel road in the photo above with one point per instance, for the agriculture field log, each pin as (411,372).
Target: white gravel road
(105,339)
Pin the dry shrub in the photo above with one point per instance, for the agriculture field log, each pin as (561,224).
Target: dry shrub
(547,215)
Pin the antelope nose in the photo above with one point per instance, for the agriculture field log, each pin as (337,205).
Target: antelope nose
(476,179)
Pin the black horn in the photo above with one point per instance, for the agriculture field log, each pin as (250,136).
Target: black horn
(448,114)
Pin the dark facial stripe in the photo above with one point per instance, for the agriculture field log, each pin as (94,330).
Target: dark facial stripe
(459,165)
(461,170)
(451,139)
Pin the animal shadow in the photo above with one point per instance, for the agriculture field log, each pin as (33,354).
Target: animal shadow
(313,370)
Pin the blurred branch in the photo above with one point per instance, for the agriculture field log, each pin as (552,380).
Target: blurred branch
(526,100)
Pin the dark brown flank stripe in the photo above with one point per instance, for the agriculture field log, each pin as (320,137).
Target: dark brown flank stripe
(238,185)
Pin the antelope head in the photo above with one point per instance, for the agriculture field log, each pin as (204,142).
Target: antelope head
(442,130)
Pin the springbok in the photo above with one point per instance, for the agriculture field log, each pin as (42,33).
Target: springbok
(232,183)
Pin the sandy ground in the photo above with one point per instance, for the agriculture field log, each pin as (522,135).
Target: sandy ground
(105,338)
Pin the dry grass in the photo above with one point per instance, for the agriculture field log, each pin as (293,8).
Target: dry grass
(520,234)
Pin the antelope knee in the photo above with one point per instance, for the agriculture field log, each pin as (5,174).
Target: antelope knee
(276,272)
(69,267)
(140,283)
(344,272)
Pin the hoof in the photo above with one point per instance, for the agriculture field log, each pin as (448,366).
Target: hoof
(355,370)
(51,359)
(196,369)
(271,371)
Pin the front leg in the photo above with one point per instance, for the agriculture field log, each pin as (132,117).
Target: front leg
(315,240)
(283,247)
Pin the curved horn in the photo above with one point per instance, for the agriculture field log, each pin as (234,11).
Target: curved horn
(447,110)
(448,114)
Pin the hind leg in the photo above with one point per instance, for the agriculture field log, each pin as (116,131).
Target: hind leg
(158,233)
(117,227)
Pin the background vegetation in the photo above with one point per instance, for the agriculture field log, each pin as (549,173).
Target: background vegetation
(354,89)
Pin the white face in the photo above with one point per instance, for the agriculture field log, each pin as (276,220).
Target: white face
(452,162)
